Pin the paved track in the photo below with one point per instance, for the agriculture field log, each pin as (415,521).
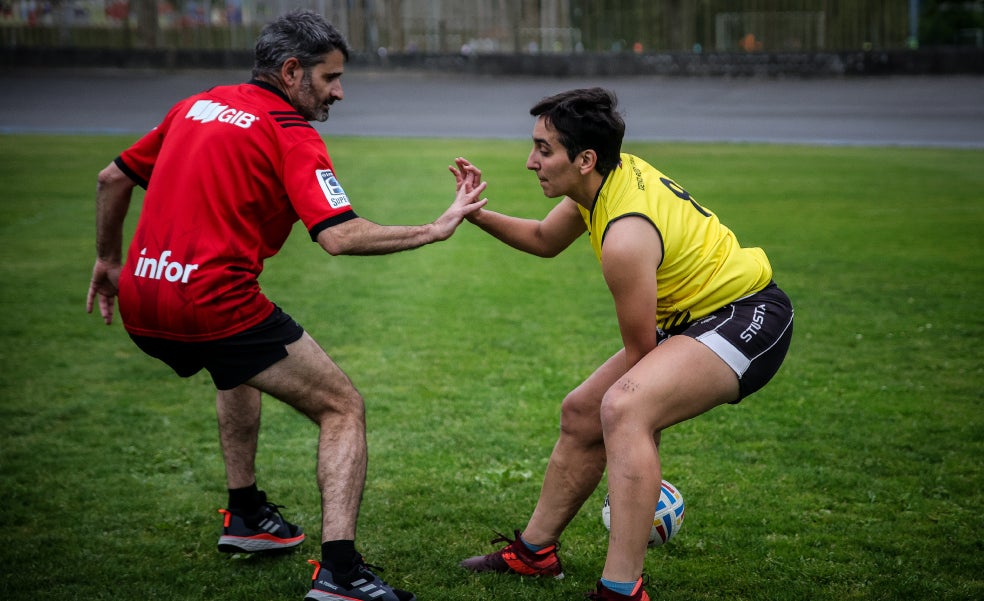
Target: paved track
(906,111)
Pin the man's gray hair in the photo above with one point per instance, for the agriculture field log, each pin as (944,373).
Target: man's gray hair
(301,34)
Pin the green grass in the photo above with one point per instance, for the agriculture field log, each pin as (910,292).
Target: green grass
(856,474)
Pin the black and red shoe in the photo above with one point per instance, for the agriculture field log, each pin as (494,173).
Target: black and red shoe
(360,584)
(517,558)
(266,530)
(601,593)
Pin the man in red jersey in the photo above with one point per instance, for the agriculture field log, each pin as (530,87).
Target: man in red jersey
(227,174)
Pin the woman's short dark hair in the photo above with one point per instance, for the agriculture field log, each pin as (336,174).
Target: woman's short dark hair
(586,118)
(301,34)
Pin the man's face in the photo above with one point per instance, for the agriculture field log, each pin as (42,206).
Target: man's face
(319,87)
(557,174)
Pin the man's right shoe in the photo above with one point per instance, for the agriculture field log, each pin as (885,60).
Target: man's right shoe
(265,531)
(517,558)
(358,585)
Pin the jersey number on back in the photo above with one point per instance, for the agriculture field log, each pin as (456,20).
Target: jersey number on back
(683,195)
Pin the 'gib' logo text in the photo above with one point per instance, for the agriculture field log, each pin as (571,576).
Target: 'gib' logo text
(332,189)
(206,111)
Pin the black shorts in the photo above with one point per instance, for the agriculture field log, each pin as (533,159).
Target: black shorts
(230,361)
(751,335)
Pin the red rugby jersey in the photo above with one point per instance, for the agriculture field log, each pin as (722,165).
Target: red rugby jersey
(228,172)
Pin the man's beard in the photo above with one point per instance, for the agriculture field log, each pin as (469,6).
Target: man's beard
(308,105)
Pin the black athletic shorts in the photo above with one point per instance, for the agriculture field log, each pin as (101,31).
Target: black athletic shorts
(751,335)
(230,361)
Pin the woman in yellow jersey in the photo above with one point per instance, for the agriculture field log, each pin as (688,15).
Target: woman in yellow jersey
(701,320)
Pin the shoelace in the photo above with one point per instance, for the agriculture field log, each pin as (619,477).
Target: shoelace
(366,571)
(502,538)
(274,508)
(371,568)
(361,565)
(265,511)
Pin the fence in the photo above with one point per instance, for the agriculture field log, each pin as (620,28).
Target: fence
(481,26)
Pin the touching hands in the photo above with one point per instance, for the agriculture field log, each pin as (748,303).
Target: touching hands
(466,173)
(467,201)
(468,177)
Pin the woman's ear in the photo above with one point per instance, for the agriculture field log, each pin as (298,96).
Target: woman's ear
(586,161)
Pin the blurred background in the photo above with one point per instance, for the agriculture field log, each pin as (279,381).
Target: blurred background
(674,36)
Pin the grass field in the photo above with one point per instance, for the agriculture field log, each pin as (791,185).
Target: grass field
(857,474)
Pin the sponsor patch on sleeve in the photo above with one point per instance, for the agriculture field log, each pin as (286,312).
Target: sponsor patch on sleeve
(333,190)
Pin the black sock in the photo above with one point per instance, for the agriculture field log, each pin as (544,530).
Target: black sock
(246,501)
(339,555)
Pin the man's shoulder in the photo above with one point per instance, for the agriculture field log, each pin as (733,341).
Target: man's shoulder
(249,107)
(245,96)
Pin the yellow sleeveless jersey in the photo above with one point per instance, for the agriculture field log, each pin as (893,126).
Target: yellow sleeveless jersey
(703,267)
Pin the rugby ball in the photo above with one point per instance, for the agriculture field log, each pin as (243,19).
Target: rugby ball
(667,520)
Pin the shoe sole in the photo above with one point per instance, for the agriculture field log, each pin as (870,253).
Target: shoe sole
(241,544)
(479,567)
(559,576)
(316,595)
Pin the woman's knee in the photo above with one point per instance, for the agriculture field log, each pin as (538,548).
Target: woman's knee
(579,416)
(619,409)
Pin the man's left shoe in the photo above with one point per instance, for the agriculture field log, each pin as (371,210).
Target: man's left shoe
(603,594)
(265,531)
(358,585)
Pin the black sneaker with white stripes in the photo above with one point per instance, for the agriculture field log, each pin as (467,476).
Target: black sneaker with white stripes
(266,530)
(358,585)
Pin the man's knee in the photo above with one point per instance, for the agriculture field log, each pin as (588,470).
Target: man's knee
(346,403)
